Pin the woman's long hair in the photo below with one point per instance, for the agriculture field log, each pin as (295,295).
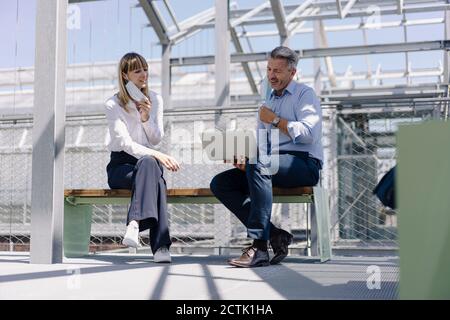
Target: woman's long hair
(129,62)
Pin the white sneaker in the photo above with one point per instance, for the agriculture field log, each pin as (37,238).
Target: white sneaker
(162,255)
(131,238)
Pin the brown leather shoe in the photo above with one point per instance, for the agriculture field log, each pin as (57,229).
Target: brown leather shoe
(279,244)
(250,258)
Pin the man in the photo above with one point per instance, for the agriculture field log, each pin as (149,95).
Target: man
(293,111)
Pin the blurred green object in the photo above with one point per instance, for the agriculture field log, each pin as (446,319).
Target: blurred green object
(77,229)
(423,190)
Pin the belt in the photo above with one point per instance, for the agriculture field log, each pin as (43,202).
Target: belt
(303,155)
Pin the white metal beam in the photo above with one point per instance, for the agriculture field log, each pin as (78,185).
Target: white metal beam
(339,8)
(325,15)
(280,20)
(47,194)
(400,7)
(296,27)
(343,12)
(299,10)
(387,91)
(160,29)
(193,25)
(387,7)
(166,74)
(317,68)
(339,28)
(156,20)
(407,62)
(222,56)
(250,14)
(97,94)
(328,61)
(330,6)
(172,14)
(324,52)
(195,19)
(447,53)
(312,12)
(245,66)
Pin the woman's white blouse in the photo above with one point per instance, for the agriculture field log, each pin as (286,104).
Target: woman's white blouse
(128,133)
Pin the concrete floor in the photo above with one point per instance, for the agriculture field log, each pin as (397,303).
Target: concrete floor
(192,277)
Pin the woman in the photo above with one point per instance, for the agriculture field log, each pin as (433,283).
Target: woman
(135,127)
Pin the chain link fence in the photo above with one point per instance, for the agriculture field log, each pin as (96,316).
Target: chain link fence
(359,149)
(366,150)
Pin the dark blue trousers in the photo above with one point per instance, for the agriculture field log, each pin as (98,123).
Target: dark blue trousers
(249,194)
(149,194)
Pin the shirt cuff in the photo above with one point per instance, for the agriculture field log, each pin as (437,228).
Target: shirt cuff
(291,130)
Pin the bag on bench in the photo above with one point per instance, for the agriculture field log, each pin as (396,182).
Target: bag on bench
(385,189)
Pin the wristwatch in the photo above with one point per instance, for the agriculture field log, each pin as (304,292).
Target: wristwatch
(276,121)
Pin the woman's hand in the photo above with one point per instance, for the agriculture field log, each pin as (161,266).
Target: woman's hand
(240,163)
(167,161)
(240,166)
(144,108)
(266,115)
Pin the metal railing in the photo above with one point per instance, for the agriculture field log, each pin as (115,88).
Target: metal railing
(359,148)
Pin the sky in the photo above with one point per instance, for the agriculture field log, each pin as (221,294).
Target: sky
(110,28)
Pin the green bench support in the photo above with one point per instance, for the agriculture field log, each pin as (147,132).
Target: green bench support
(78,213)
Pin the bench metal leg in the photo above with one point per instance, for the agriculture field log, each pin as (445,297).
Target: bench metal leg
(77,229)
(222,231)
(320,225)
(311,232)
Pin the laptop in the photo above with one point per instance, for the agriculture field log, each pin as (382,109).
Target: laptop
(229,145)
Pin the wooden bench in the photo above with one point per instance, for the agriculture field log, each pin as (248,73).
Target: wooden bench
(78,213)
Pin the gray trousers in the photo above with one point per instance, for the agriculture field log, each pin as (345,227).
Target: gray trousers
(149,194)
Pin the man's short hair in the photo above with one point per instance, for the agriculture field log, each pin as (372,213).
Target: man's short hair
(285,53)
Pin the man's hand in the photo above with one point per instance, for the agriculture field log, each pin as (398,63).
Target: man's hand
(144,108)
(266,115)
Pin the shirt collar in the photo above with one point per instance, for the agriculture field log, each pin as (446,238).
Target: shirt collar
(289,89)
(132,106)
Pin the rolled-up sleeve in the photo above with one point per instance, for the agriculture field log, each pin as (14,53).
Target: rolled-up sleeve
(119,133)
(154,127)
(306,128)
(260,130)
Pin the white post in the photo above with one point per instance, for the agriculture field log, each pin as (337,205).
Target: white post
(318,43)
(330,174)
(222,60)
(222,218)
(166,75)
(47,194)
